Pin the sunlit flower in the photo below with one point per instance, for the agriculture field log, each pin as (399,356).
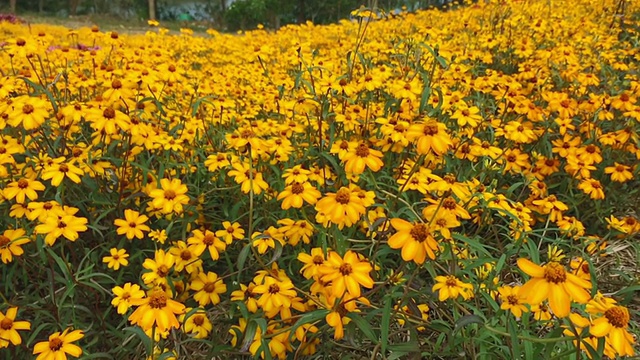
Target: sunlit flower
(346,274)
(9,328)
(553,282)
(125,295)
(133,224)
(59,346)
(156,309)
(450,287)
(117,258)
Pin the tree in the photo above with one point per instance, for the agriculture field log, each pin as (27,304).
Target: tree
(152,9)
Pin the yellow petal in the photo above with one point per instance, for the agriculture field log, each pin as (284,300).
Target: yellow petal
(559,301)
(530,268)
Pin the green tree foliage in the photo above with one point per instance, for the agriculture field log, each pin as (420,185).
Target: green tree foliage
(222,14)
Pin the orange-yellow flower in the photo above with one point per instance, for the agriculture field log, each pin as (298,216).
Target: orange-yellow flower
(416,241)
(132,225)
(553,282)
(157,310)
(346,274)
(59,345)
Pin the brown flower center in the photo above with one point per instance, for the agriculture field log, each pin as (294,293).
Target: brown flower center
(274,289)
(169,194)
(343,196)
(617,316)
(185,254)
(297,188)
(55,344)
(555,273)
(208,239)
(362,150)
(116,84)
(451,281)
(162,271)
(28,109)
(198,320)
(346,269)
(109,113)
(23,183)
(420,232)
(318,260)
(512,299)
(430,129)
(209,287)
(158,300)
(449,204)
(6,324)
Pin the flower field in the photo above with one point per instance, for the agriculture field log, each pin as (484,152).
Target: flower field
(453,184)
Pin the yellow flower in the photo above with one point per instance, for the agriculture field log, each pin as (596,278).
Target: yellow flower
(206,240)
(196,323)
(170,197)
(118,258)
(208,287)
(593,188)
(23,188)
(230,232)
(125,295)
(619,172)
(28,112)
(342,208)
(312,262)
(360,157)
(249,178)
(346,274)
(186,258)
(156,310)
(275,294)
(132,225)
(553,282)
(67,225)
(246,294)
(612,323)
(430,136)
(59,345)
(58,170)
(10,244)
(416,241)
(511,300)
(295,231)
(159,266)
(9,328)
(296,193)
(450,287)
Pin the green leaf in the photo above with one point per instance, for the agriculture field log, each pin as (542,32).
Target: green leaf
(146,341)
(364,326)
(515,342)
(467,320)
(384,326)
(249,334)
(242,258)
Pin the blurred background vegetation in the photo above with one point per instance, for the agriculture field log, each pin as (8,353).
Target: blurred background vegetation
(230,15)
